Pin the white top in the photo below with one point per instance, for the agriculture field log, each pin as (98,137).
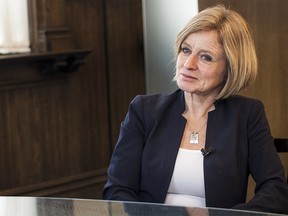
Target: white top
(187,183)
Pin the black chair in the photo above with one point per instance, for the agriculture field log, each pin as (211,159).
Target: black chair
(281,145)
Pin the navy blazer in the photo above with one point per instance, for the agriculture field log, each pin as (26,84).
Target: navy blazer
(238,135)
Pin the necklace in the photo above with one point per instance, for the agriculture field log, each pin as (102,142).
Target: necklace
(194,138)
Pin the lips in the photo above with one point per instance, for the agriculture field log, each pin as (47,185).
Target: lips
(189,77)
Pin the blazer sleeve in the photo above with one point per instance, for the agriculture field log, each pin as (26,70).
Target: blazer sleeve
(271,191)
(124,170)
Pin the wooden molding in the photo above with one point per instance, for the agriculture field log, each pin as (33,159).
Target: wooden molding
(23,69)
(62,185)
(57,38)
(63,61)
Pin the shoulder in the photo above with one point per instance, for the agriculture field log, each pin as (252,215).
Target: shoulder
(240,102)
(241,107)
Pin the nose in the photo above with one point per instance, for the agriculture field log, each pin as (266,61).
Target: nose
(191,62)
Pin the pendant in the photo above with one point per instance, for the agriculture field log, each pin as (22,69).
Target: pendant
(194,138)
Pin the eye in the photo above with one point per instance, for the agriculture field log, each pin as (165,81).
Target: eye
(207,58)
(185,50)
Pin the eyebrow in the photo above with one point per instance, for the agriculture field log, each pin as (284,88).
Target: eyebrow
(210,51)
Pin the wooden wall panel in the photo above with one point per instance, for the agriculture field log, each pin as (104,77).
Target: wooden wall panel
(50,20)
(125,46)
(88,27)
(56,132)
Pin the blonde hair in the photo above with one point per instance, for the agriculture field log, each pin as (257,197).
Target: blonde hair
(235,37)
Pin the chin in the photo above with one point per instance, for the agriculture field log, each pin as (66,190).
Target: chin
(185,86)
(186,89)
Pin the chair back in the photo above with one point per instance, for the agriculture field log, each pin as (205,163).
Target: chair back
(281,145)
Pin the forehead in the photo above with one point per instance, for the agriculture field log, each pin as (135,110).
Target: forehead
(205,40)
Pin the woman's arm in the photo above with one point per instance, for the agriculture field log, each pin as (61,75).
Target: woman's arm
(124,170)
(271,192)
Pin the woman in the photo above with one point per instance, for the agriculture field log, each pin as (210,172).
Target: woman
(197,146)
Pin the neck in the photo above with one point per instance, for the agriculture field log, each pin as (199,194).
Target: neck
(198,106)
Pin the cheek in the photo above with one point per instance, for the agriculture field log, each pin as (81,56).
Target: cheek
(215,76)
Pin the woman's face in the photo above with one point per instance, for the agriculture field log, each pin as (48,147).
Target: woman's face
(201,64)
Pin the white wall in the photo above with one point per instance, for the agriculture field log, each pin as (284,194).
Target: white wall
(162,20)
